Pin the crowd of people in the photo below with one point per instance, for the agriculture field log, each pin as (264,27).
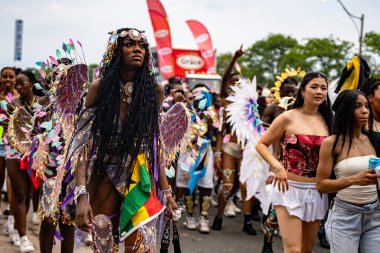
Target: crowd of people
(107,161)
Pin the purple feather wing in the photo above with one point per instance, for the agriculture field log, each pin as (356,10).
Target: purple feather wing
(174,128)
(70,90)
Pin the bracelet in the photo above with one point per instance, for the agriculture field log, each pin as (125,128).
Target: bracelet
(168,191)
(79,190)
(217,154)
(278,167)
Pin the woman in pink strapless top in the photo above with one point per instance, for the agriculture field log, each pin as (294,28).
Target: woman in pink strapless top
(299,206)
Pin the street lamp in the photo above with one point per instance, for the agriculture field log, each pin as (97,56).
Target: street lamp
(356,26)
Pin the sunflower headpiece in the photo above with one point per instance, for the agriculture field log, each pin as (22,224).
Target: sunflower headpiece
(280,79)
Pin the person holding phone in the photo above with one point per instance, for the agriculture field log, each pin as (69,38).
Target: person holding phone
(353,224)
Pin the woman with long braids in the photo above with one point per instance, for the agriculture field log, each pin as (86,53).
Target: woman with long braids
(115,148)
(19,141)
(353,224)
(299,206)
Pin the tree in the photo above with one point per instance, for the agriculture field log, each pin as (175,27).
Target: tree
(222,61)
(269,57)
(327,55)
(372,42)
(91,69)
(263,58)
(372,51)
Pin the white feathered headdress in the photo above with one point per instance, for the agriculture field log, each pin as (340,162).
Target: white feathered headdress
(243,113)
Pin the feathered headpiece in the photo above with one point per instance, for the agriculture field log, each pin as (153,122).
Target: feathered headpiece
(132,33)
(243,112)
(280,79)
(353,75)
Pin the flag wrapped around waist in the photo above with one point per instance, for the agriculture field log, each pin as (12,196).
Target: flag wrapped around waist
(140,204)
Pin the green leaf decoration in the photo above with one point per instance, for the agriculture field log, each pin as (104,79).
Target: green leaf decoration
(48,125)
(56,144)
(3,105)
(38,86)
(58,53)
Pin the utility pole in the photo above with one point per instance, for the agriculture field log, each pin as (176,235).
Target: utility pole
(357,29)
(361,35)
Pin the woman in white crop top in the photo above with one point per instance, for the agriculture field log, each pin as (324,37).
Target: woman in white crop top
(353,224)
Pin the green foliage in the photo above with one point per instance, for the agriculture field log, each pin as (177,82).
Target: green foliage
(263,58)
(91,68)
(372,52)
(372,42)
(270,56)
(222,61)
(327,55)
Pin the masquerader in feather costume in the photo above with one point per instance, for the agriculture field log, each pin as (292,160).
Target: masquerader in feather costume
(196,165)
(18,140)
(118,145)
(228,156)
(66,83)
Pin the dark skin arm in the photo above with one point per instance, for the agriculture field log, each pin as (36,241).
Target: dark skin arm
(219,140)
(270,113)
(227,72)
(84,214)
(92,94)
(267,114)
(161,94)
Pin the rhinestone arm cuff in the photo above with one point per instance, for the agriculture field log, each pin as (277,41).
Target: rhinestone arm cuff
(79,190)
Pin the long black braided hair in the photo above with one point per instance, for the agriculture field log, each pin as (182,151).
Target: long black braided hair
(119,146)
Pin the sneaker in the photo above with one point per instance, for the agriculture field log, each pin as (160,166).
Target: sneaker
(35,219)
(9,226)
(236,209)
(214,203)
(249,229)
(217,224)
(191,223)
(181,208)
(15,237)
(203,225)
(229,210)
(87,239)
(238,196)
(26,245)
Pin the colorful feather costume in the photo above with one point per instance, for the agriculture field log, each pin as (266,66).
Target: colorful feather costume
(243,116)
(67,80)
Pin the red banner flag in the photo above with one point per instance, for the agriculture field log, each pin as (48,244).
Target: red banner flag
(203,39)
(162,35)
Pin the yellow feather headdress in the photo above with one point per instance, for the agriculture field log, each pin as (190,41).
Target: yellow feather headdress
(280,79)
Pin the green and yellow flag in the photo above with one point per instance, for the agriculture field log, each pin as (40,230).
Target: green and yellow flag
(140,204)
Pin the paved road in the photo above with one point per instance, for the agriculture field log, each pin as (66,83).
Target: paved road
(230,239)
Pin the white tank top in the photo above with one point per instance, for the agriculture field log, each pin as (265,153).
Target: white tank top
(355,194)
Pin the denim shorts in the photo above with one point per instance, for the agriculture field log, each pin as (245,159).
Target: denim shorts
(353,229)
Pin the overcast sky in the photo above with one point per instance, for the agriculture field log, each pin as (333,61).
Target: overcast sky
(47,23)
